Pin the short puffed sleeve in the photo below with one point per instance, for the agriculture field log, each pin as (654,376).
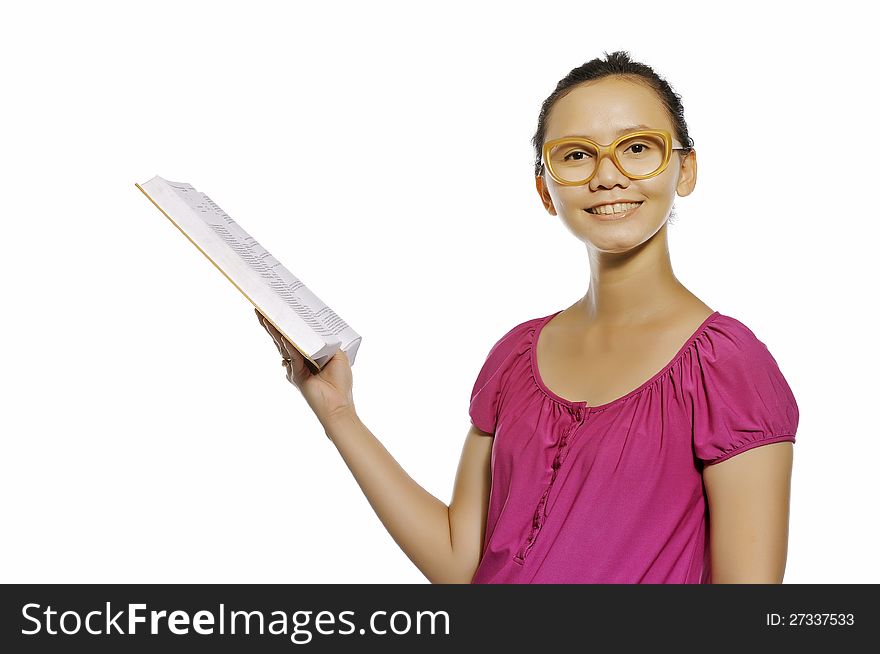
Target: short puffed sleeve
(488,387)
(741,398)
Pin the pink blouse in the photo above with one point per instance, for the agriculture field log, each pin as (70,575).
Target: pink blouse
(613,493)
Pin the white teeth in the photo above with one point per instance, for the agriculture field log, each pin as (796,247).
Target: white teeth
(620,207)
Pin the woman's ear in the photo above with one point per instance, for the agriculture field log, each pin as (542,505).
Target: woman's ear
(687,180)
(545,195)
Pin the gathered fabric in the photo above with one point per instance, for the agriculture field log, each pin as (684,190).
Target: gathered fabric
(614,493)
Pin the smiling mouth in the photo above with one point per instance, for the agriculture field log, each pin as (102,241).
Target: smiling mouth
(614,210)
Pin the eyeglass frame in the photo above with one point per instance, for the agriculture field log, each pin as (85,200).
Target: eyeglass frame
(610,151)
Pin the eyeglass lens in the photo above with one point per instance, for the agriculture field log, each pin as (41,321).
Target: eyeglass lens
(575,161)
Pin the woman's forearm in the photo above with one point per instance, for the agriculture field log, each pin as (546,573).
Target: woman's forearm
(417,521)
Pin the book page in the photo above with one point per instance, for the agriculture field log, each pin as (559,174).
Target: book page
(321,318)
(299,314)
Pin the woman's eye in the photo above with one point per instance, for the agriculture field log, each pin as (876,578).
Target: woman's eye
(637,146)
(571,154)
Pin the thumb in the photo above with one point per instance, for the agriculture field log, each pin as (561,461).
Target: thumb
(342,356)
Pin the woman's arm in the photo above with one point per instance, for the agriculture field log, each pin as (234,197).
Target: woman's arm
(444,542)
(748,514)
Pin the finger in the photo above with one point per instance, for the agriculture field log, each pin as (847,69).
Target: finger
(260,316)
(285,347)
(275,339)
(296,367)
(290,371)
(290,352)
(293,366)
(265,325)
(278,347)
(287,351)
(274,333)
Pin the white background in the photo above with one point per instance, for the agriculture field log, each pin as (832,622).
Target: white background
(382,152)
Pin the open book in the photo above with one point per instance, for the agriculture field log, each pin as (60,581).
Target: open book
(304,320)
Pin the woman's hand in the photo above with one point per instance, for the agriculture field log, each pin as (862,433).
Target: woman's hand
(328,393)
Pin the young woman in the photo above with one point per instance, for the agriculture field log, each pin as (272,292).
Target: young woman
(637,436)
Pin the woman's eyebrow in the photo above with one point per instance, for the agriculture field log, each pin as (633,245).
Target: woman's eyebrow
(622,130)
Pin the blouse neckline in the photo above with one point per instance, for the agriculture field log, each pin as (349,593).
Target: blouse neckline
(533,361)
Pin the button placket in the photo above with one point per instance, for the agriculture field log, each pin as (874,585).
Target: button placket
(540,514)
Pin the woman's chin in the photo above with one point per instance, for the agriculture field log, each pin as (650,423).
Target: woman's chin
(619,237)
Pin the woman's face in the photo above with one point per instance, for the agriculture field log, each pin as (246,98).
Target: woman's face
(600,111)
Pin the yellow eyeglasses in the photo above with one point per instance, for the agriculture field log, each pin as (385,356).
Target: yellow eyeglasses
(573,160)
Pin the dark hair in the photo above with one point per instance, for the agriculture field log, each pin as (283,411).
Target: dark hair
(618,64)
